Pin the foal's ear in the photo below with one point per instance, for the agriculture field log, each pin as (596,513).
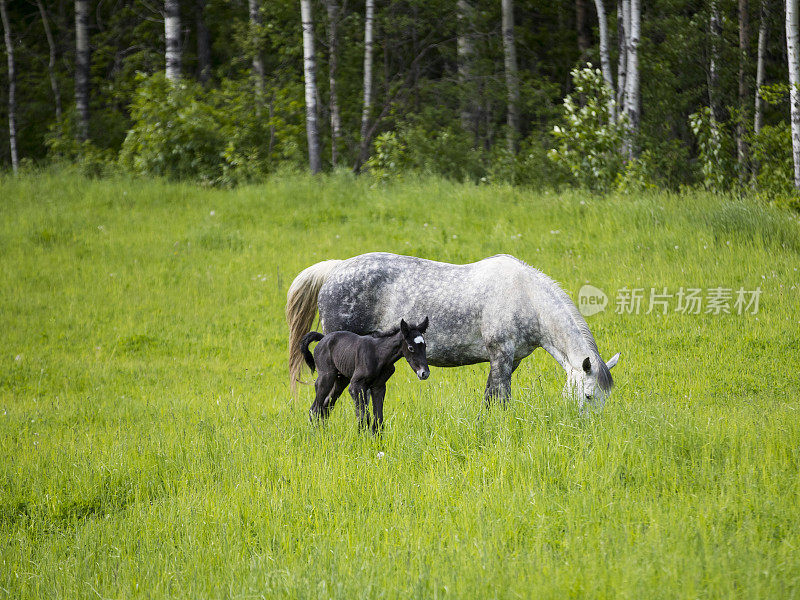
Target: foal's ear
(613,360)
(423,326)
(404,327)
(587,365)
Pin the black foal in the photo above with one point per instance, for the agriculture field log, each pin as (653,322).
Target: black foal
(366,362)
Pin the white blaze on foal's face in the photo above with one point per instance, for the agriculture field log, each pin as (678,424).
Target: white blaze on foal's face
(419,340)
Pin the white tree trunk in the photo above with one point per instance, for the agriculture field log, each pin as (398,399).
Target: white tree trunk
(605,57)
(623,31)
(310,72)
(758,118)
(744,43)
(51,65)
(715,26)
(172,36)
(512,75)
(333,64)
(793,52)
(465,51)
(632,100)
(258,61)
(12,88)
(367,107)
(82,58)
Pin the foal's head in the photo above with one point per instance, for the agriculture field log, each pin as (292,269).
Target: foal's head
(413,347)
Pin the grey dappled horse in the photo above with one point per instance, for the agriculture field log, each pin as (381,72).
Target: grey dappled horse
(498,310)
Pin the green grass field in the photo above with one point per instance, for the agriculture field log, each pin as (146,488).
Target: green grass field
(149,446)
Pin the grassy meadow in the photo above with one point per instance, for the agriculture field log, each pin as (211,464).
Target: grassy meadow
(149,446)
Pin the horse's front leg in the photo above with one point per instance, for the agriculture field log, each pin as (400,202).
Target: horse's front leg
(378,393)
(360,393)
(501,366)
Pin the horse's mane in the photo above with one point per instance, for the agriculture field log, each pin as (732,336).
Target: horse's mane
(604,379)
(386,333)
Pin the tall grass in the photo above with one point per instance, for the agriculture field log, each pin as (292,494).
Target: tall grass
(149,446)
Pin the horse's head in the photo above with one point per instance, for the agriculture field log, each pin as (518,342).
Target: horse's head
(414,347)
(592,383)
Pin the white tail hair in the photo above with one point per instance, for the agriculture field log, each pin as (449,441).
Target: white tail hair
(301,307)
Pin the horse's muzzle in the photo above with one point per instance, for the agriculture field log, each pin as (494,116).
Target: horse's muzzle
(423,374)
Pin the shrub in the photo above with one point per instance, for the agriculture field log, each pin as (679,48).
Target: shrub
(715,145)
(175,132)
(589,144)
(223,137)
(447,152)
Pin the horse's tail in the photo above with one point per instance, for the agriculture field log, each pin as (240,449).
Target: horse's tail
(301,307)
(308,339)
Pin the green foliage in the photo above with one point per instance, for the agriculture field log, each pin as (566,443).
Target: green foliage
(64,147)
(715,143)
(176,133)
(221,136)
(589,144)
(447,152)
(637,176)
(774,169)
(529,167)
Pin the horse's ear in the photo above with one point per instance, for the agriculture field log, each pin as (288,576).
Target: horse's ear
(613,360)
(587,365)
(404,327)
(423,326)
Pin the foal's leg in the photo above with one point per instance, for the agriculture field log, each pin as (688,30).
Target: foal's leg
(501,366)
(338,388)
(378,392)
(323,386)
(360,393)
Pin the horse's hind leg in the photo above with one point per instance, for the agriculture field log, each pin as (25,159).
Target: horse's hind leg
(330,401)
(501,366)
(323,386)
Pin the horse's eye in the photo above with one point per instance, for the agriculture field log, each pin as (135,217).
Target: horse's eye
(411,348)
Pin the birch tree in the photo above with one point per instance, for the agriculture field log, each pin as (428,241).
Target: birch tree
(758,112)
(793,55)
(82,57)
(172,36)
(12,88)
(715,28)
(465,51)
(368,40)
(744,41)
(605,57)
(332,7)
(51,65)
(632,98)
(310,76)
(512,75)
(623,31)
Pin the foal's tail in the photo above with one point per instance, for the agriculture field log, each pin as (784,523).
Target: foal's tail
(301,307)
(309,338)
